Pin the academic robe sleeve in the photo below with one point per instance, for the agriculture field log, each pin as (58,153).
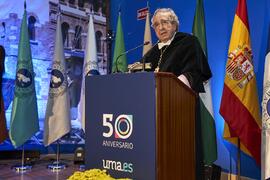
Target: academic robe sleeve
(183,56)
(194,64)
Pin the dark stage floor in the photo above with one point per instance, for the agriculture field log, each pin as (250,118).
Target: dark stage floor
(39,169)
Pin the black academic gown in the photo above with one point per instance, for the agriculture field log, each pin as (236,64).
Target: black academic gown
(183,56)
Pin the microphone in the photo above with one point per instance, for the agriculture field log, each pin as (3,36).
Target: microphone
(128,51)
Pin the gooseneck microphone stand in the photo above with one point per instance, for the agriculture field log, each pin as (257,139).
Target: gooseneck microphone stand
(126,52)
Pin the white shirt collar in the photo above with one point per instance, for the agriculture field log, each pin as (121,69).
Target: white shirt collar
(161,44)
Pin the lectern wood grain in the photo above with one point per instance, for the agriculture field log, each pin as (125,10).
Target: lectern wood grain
(175,129)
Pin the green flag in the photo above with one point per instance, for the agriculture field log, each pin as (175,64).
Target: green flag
(24,116)
(206,107)
(119,59)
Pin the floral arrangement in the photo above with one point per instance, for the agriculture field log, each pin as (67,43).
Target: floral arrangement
(93,174)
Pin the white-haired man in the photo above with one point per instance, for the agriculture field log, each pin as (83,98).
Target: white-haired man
(177,52)
(181,54)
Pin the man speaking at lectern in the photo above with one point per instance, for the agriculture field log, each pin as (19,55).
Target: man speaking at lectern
(181,54)
(177,52)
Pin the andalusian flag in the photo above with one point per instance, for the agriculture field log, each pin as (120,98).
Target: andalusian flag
(147,34)
(206,107)
(57,117)
(239,105)
(90,67)
(119,62)
(266,116)
(24,115)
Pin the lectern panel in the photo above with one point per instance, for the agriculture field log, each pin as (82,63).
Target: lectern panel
(140,126)
(120,125)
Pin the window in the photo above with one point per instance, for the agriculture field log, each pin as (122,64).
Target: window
(97,4)
(98,41)
(77,43)
(65,28)
(31,27)
(71,1)
(81,3)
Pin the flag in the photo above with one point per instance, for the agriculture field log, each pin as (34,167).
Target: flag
(57,117)
(3,126)
(24,116)
(239,104)
(266,116)
(147,34)
(206,108)
(119,59)
(90,67)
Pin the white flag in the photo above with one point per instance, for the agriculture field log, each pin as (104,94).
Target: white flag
(266,119)
(57,118)
(90,67)
(147,34)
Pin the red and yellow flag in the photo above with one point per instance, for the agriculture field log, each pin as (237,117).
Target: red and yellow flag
(3,126)
(239,105)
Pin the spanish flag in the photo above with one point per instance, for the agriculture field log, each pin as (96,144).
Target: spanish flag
(239,105)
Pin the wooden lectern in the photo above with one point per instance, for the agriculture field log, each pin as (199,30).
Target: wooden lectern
(140,126)
(175,125)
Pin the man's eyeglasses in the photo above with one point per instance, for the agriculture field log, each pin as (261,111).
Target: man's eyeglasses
(162,22)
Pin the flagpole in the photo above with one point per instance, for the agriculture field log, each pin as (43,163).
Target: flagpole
(22,168)
(61,117)
(57,165)
(238,159)
(57,152)
(23,156)
(109,37)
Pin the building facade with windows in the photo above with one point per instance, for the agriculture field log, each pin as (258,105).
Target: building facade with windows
(74,17)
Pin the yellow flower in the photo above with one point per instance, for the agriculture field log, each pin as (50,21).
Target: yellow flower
(93,174)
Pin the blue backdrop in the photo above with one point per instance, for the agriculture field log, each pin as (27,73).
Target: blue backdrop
(219,16)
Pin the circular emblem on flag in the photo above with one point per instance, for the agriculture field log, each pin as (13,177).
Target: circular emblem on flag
(58,81)
(57,78)
(24,81)
(23,78)
(92,72)
(238,74)
(91,69)
(266,107)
